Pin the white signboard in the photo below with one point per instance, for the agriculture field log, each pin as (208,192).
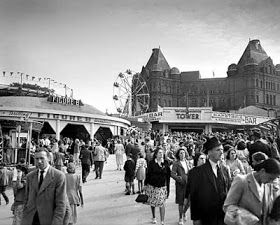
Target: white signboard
(238,119)
(181,114)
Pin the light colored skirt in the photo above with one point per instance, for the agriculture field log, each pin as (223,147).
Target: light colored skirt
(156,195)
(119,158)
(73,218)
(141,173)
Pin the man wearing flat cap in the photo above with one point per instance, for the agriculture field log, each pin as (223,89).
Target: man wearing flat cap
(209,184)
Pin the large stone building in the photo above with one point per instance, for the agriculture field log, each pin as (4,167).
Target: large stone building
(254,80)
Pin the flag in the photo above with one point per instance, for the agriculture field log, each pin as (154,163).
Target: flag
(27,76)
(64,85)
(4,73)
(11,73)
(39,78)
(33,78)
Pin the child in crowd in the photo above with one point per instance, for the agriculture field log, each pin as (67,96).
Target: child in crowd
(129,168)
(19,193)
(140,172)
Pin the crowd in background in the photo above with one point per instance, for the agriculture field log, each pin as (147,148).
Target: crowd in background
(152,158)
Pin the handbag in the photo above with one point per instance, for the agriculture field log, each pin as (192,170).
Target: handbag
(142,198)
(239,216)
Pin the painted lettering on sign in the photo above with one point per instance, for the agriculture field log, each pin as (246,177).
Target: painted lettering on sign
(191,116)
(64,100)
(250,120)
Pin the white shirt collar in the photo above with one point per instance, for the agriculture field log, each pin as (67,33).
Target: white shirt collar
(159,162)
(45,171)
(260,187)
(214,166)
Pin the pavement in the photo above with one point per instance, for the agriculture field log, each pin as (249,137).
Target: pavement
(107,204)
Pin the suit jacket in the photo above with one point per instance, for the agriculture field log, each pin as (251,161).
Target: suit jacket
(179,175)
(206,202)
(86,157)
(244,193)
(49,201)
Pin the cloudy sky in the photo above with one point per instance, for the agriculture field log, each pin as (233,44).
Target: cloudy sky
(86,43)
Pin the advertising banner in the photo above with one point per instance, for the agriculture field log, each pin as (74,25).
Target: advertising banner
(238,119)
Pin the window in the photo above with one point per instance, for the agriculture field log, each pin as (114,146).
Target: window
(257,99)
(261,84)
(267,99)
(257,82)
(274,99)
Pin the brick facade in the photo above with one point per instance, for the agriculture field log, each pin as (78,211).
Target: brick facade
(254,80)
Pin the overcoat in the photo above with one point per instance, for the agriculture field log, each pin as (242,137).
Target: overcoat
(206,200)
(49,201)
(180,176)
(244,193)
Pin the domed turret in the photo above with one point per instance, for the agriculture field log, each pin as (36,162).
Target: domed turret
(174,71)
(232,67)
(277,67)
(232,70)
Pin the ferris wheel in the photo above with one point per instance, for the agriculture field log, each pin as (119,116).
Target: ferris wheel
(131,94)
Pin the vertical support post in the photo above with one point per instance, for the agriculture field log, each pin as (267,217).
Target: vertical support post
(57,130)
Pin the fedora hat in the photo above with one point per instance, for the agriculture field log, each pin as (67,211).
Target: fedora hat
(210,144)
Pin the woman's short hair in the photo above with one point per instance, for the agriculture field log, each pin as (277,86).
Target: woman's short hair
(23,168)
(177,155)
(71,168)
(156,152)
(228,153)
(271,166)
(196,157)
(241,145)
(259,157)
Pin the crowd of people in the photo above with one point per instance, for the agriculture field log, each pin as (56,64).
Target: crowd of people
(220,177)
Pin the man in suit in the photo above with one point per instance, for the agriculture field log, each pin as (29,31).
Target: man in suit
(87,161)
(209,184)
(45,198)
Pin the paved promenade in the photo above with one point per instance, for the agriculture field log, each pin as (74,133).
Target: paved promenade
(106,204)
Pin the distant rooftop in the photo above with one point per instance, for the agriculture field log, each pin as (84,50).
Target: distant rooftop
(27,102)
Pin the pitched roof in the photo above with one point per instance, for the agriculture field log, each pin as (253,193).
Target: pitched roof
(253,54)
(26,102)
(157,61)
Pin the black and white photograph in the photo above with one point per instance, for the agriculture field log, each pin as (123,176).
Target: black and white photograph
(125,112)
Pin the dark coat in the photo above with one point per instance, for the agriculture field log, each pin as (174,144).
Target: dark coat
(179,175)
(86,157)
(158,176)
(206,200)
